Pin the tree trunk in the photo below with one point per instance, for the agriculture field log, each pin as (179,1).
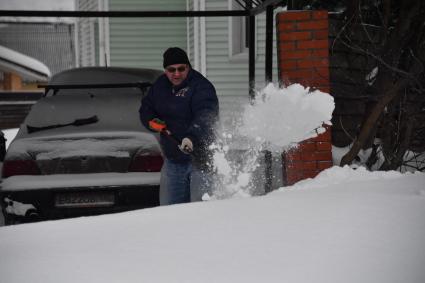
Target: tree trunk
(372,119)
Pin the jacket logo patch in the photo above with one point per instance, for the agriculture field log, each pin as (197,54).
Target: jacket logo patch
(182,92)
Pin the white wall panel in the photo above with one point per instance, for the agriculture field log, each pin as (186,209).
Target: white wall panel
(140,42)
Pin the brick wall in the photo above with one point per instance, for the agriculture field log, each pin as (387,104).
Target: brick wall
(303,57)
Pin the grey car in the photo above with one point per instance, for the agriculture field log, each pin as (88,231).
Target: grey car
(82,149)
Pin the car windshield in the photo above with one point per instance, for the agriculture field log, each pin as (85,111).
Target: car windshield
(85,110)
(90,99)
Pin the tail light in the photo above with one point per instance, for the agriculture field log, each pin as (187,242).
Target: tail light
(19,167)
(146,163)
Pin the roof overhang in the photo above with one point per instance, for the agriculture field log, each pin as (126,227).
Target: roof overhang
(250,8)
(23,65)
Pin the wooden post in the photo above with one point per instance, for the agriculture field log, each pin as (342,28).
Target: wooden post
(12,81)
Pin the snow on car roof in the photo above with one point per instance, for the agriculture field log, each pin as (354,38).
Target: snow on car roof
(105,75)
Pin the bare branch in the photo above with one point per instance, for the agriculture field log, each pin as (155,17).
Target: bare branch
(372,119)
(345,131)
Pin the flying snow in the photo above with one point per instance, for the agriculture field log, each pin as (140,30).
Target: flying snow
(278,119)
(286,116)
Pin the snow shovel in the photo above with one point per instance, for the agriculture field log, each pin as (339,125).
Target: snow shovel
(77,122)
(162,129)
(170,136)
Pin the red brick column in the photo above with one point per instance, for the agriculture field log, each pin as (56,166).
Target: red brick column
(303,57)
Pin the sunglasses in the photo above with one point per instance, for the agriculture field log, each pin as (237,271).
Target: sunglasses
(180,69)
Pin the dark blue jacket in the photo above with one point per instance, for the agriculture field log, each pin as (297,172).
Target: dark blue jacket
(189,110)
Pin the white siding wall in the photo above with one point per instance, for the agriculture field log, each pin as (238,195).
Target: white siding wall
(190,32)
(140,42)
(86,34)
(196,33)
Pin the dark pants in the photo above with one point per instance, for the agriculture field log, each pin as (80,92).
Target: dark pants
(183,182)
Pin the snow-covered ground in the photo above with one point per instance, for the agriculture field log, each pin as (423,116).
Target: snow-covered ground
(343,226)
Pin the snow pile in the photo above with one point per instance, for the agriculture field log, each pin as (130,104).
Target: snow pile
(339,175)
(412,161)
(278,119)
(355,231)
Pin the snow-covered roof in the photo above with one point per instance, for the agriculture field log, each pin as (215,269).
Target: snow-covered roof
(26,66)
(51,43)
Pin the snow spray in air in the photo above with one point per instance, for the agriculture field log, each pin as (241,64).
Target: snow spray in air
(278,119)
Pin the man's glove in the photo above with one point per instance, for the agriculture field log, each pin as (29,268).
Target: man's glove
(186,146)
(157,125)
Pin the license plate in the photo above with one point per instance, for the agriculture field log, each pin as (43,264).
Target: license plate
(84,199)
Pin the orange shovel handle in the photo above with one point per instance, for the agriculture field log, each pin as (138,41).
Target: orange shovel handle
(156,126)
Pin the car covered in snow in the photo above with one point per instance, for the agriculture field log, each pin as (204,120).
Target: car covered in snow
(82,150)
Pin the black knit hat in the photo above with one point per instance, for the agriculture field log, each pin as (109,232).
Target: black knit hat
(175,55)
